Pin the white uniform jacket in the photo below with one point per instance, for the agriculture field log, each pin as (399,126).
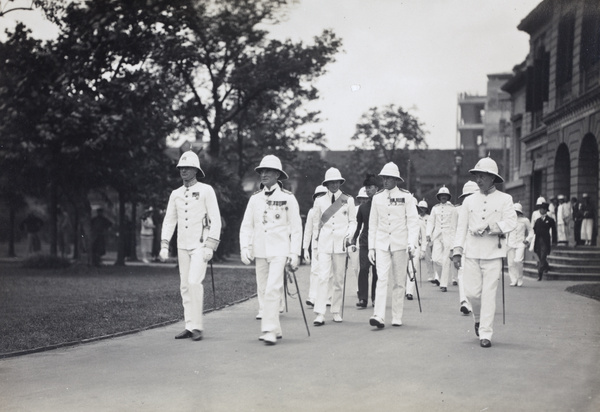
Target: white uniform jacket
(478,212)
(523,231)
(272,225)
(195,212)
(308,239)
(332,235)
(442,220)
(394,220)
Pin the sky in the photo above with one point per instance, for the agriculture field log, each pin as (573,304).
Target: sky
(417,54)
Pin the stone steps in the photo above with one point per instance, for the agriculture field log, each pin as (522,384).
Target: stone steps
(581,263)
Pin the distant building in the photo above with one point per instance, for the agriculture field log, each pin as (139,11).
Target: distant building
(555,96)
(483,122)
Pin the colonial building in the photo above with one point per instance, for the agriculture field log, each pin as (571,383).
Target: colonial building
(555,96)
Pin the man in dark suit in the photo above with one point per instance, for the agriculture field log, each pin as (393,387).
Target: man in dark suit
(542,227)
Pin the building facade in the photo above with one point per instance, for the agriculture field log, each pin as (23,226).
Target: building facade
(555,95)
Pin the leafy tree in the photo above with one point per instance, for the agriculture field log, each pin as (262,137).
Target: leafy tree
(387,135)
(227,63)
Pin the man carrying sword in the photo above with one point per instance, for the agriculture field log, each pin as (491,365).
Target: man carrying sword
(393,235)
(193,208)
(334,223)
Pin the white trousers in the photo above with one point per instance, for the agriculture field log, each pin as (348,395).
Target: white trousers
(271,270)
(331,268)
(314,281)
(441,259)
(192,269)
(390,264)
(587,226)
(514,257)
(481,282)
(462,296)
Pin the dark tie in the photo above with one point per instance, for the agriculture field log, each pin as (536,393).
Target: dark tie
(332,198)
(269,192)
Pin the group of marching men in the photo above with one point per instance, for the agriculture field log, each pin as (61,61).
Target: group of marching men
(392,230)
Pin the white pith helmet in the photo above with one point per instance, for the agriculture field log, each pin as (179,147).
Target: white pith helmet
(443,191)
(271,162)
(423,204)
(332,175)
(518,208)
(362,193)
(391,169)
(190,159)
(489,166)
(561,197)
(540,200)
(319,190)
(468,189)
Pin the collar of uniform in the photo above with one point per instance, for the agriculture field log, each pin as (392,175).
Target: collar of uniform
(393,190)
(336,194)
(491,190)
(190,183)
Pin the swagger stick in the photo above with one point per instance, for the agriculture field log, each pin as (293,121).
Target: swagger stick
(416,285)
(212,276)
(503,311)
(288,270)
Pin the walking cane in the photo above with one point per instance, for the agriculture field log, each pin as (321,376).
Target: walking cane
(212,276)
(500,237)
(285,288)
(416,286)
(288,269)
(345,272)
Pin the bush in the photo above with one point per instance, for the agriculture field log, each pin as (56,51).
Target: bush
(46,262)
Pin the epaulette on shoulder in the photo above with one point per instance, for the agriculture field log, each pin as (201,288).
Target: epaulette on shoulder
(403,190)
(257,192)
(286,191)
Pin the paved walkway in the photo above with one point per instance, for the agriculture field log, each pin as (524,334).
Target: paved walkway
(545,358)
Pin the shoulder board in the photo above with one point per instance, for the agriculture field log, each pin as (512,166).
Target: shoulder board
(403,190)
(257,192)
(286,191)
(380,190)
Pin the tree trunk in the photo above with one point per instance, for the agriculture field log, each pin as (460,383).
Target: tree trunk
(11,228)
(122,232)
(133,235)
(53,230)
(215,144)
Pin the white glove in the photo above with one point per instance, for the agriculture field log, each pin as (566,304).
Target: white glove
(306,255)
(246,257)
(163,254)
(208,254)
(293,259)
(372,256)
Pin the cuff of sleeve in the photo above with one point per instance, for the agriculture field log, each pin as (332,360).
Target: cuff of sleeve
(164,243)
(212,243)
(457,251)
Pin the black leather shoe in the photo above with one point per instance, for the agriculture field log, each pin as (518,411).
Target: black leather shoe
(539,277)
(454,283)
(436,282)
(196,334)
(309,303)
(184,335)
(464,310)
(477,328)
(409,296)
(485,343)
(444,289)
(361,304)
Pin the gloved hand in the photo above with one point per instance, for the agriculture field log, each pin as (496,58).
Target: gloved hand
(293,261)
(208,254)
(306,255)
(246,257)
(372,256)
(456,259)
(163,254)
(409,250)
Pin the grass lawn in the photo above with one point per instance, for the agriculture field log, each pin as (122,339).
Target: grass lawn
(590,290)
(48,307)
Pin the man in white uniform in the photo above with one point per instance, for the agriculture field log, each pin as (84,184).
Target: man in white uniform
(517,241)
(563,220)
(193,208)
(271,233)
(484,220)
(393,234)
(309,252)
(334,223)
(440,231)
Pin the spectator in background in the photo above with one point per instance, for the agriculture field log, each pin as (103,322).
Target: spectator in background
(542,227)
(517,241)
(32,226)
(587,224)
(65,232)
(100,225)
(577,219)
(147,235)
(563,219)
